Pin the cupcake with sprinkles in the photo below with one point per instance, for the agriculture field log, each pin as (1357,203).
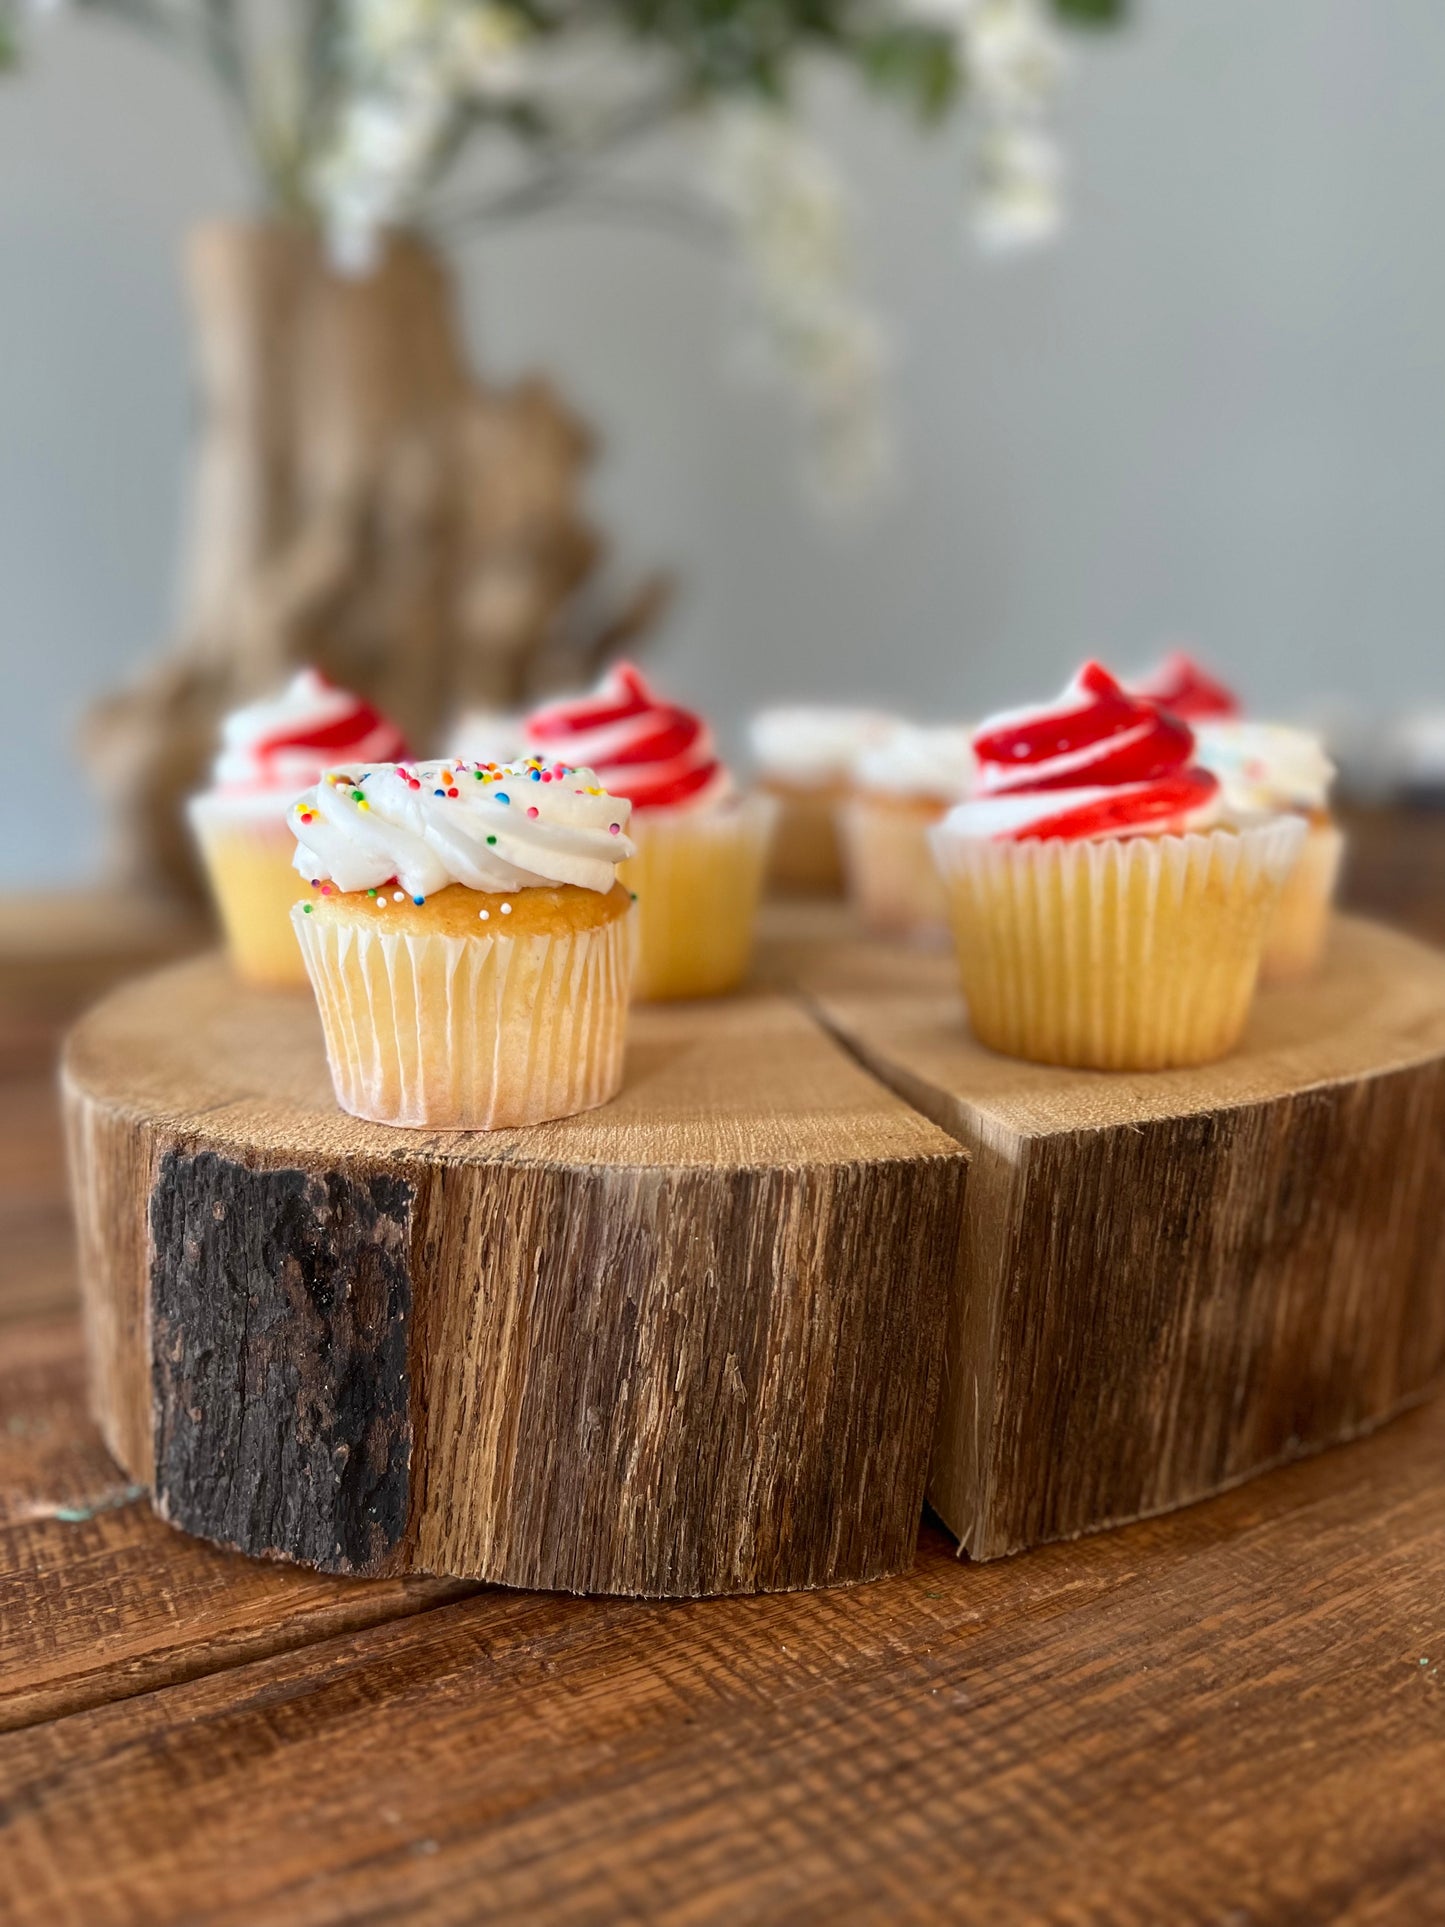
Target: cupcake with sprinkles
(1107,910)
(467,939)
(270,751)
(700,847)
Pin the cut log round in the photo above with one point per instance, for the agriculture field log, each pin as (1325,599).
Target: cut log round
(1170,1281)
(687,1344)
(690,1343)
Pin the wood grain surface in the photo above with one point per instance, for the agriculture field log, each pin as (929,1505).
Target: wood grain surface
(1234,1714)
(98,1599)
(685,1344)
(1231,1715)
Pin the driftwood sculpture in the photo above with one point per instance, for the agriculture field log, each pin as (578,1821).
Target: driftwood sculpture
(362,502)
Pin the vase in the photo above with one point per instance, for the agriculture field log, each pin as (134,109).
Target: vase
(359,501)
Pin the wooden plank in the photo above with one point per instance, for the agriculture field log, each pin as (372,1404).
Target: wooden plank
(98,1599)
(1232,1714)
(684,1344)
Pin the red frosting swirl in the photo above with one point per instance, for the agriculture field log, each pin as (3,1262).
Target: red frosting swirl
(1182,687)
(1099,762)
(654,753)
(287,740)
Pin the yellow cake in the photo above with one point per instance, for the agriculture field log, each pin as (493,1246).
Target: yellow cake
(247,847)
(697,877)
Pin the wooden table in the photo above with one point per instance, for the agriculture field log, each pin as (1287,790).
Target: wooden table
(1236,1714)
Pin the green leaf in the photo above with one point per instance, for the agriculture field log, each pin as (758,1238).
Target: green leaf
(1092,13)
(915,64)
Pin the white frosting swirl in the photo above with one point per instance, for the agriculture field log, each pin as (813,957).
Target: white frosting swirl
(917,760)
(1015,815)
(512,826)
(1265,766)
(812,747)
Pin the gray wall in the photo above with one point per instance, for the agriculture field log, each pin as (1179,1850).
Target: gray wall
(1217,410)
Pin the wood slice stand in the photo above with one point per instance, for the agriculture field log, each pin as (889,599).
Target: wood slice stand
(687,1344)
(691,1343)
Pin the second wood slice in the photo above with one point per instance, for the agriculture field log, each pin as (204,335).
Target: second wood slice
(1174,1280)
(686,1344)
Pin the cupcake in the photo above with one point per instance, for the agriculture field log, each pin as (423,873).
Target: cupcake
(467,939)
(701,849)
(1106,911)
(1264,768)
(1179,685)
(903,785)
(269,751)
(805,759)
(487,736)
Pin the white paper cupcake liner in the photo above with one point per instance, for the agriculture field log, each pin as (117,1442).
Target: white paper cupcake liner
(1122,953)
(470,1033)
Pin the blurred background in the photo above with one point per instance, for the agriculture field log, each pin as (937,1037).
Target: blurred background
(1212,409)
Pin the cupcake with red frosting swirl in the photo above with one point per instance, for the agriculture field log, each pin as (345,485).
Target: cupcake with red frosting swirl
(701,848)
(1181,686)
(270,751)
(1107,910)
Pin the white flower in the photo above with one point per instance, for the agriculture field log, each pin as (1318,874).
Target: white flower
(485,52)
(1013,63)
(1014,58)
(377,168)
(1017,199)
(787,207)
(382,31)
(411,66)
